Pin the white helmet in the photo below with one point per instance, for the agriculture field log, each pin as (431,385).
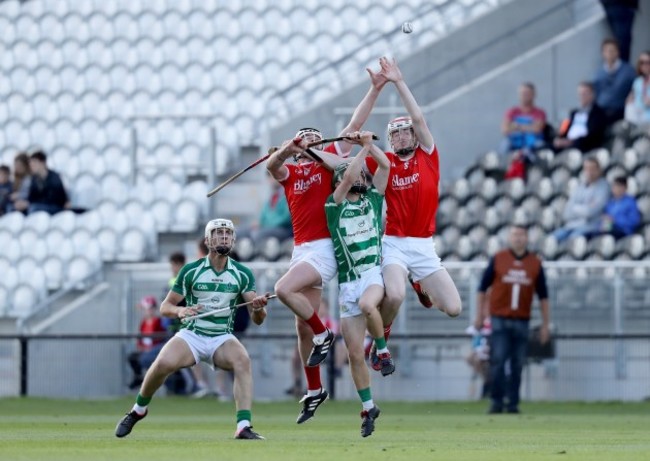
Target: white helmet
(397,124)
(302,133)
(309,131)
(212,242)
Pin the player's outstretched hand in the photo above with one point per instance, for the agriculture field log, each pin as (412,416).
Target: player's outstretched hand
(377,79)
(390,70)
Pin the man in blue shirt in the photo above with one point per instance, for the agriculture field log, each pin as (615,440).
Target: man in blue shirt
(613,82)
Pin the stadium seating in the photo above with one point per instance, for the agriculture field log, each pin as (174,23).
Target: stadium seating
(76,72)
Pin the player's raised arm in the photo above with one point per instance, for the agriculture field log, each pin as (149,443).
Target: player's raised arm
(392,72)
(275,163)
(362,112)
(380,179)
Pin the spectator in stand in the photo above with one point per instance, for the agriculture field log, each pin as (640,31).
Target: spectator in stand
(523,125)
(21,182)
(637,110)
(46,191)
(151,324)
(586,202)
(5,187)
(620,16)
(585,127)
(613,82)
(621,217)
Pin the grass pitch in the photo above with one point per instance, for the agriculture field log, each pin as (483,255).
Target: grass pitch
(189,430)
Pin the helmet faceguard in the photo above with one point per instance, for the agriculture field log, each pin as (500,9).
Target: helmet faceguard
(310,135)
(220,236)
(398,127)
(360,184)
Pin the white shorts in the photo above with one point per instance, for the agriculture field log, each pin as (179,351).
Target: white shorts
(416,255)
(320,255)
(203,347)
(350,292)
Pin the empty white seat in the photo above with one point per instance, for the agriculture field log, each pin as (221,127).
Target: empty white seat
(58,244)
(53,269)
(64,221)
(12,222)
(4,300)
(108,242)
(245,248)
(166,187)
(532,205)
(269,248)
(90,221)
(7,240)
(38,221)
(196,190)
(86,192)
(162,214)
(10,278)
(491,219)
(577,247)
(119,222)
(549,247)
(133,245)
(143,192)
(544,189)
(113,186)
(548,219)
(478,236)
(186,216)
(32,245)
(31,273)
(24,300)
(460,189)
(78,269)
(80,240)
(107,209)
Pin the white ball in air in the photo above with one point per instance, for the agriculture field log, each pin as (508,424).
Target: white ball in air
(407,27)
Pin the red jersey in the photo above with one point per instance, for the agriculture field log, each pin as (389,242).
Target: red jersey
(411,193)
(307,188)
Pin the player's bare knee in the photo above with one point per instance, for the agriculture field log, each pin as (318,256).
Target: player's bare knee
(241,364)
(392,300)
(164,366)
(453,309)
(367,308)
(282,290)
(356,356)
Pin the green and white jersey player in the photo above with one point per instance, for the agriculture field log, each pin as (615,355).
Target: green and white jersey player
(213,282)
(354,220)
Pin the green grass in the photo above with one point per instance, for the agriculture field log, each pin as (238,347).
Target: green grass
(189,430)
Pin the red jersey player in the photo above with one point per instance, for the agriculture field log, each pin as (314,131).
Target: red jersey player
(412,201)
(307,185)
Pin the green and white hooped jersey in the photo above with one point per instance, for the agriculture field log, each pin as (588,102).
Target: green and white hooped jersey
(199,283)
(355,228)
